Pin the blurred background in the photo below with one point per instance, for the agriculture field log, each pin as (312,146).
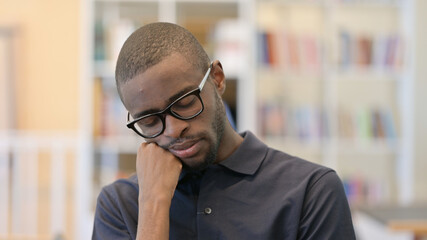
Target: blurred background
(337,82)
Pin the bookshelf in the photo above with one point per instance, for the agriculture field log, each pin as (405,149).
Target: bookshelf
(330,76)
(320,79)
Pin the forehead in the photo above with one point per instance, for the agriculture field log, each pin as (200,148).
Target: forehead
(152,89)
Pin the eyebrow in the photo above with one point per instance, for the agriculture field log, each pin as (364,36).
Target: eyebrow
(170,100)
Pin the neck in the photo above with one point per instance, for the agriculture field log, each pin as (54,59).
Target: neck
(230,141)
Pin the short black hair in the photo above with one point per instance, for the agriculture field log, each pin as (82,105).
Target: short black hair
(151,43)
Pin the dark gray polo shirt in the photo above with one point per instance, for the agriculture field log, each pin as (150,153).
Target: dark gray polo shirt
(256,193)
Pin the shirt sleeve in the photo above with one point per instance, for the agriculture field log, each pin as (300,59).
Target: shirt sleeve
(326,213)
(109,223)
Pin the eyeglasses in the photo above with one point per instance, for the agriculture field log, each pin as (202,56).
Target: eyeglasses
(186,107)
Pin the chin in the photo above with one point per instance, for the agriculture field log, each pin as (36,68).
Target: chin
(195,165)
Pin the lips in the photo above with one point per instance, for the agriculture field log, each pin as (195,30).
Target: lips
(185,149)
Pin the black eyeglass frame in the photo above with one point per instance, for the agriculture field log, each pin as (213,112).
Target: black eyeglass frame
(162,114)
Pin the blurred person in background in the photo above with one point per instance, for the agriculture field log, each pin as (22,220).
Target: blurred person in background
(197,178)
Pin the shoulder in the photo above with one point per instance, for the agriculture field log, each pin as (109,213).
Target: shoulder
(324,210)
(269,164)
(121,186)
(117,210)
(295,168)
(119,195)
(326,213)
(255,155)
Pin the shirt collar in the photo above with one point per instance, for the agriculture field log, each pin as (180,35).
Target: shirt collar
(246,159)
(248,156)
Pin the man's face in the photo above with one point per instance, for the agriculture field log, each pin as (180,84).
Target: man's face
(194,141)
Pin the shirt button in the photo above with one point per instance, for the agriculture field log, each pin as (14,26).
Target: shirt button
(208,211)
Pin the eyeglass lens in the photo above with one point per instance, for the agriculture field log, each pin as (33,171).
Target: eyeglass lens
(185,108)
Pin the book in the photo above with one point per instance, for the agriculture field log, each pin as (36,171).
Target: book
(287,51)
(272,119)
(380,52)
(364,51)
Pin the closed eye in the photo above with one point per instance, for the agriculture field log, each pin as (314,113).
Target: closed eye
(185,103)
(148,122)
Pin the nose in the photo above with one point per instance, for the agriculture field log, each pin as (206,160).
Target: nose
(174,127)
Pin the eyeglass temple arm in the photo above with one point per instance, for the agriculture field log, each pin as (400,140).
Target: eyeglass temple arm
(205,77)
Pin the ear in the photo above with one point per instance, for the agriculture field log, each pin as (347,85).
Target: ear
(218,77)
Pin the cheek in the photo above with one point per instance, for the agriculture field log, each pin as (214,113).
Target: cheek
(215,114)
(209,108)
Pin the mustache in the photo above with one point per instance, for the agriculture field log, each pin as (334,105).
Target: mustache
(178,141)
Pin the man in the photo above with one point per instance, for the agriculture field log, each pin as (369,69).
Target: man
(196,177)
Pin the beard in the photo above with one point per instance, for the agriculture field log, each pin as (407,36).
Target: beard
(218,126)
